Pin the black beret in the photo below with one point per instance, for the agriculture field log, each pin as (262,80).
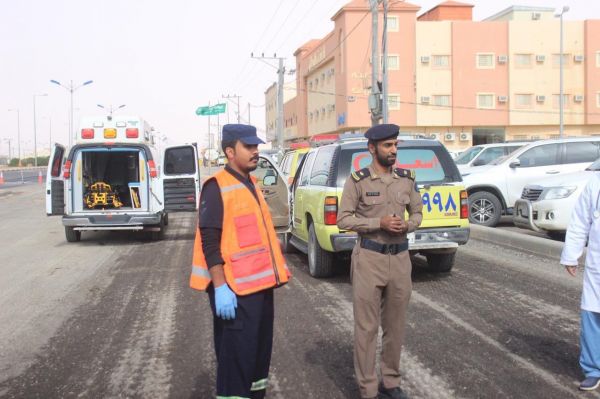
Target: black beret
(245,133)
(382,132)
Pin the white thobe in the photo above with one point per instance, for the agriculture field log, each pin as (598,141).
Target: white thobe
(584,226)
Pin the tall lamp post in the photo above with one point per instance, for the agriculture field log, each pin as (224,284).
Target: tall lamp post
(8,140)
(561,95)
(35,160)
(111,109)
(71,89)
(18,134)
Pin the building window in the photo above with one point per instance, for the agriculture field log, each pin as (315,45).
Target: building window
(393,62)
(556,60)
(310,85)
(556,101)
(393,102)
(523,60)
(485,61)
(316,82)
(441,100)
(485,100)
(392,24)
(523,100)
(520,137)
(440,61)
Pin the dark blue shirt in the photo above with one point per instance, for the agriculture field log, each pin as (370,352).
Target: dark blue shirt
(210,220)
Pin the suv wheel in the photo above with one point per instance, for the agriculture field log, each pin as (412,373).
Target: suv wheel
(320,262)
(441,263)
(72,234)
(484,209)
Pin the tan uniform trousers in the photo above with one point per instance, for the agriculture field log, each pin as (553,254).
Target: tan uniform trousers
(381,288)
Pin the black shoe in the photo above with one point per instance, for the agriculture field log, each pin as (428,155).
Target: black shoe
(391,393)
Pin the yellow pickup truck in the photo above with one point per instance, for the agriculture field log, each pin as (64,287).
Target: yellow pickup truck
(317,190)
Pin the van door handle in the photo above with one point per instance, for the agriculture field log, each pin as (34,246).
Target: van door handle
(552,172)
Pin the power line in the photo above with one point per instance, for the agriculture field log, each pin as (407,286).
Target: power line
(298,24)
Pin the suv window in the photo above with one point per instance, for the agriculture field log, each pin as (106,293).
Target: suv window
(582,151)
(510,149)
(432,164)
(180,160)
(542,155)
(321,166)
(489,154)
(305,170)
(286,163)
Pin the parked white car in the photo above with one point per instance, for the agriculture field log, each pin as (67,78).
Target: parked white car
(546,206)
(483,154)
(493,189)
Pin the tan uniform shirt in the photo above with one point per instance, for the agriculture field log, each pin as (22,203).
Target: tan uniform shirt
(364,202)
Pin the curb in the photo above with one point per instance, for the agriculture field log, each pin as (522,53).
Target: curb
(523,242)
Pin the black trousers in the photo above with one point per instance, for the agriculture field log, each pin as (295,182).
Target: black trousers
(243,346)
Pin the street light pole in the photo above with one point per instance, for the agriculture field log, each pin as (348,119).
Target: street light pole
(35,160)
(111,109)
(561,95)
(18,134)
(71,89)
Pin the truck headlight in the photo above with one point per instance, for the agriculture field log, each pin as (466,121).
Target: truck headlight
(559,192)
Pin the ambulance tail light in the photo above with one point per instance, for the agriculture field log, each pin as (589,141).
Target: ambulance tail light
(331,210)
(152,168)
(110,133)
(67,169)
(87,133)
(132,133)
(464,205)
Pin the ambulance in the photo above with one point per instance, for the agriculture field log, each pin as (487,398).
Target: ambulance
(117,176)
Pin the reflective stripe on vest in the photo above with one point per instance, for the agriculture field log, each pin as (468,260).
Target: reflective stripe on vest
(249,244)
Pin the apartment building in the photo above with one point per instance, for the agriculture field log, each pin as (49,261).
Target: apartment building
(462,81)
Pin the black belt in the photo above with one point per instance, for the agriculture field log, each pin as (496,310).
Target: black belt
(392,249)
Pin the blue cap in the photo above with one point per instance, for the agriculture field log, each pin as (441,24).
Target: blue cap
(245,133)
(382,132)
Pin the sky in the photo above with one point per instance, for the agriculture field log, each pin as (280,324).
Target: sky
(162,59)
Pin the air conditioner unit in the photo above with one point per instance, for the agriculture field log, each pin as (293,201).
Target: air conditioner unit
(540,99)
(502,99)
(449,136)
(425,99)
(578,98)
(502,59)
(434,136)
(578,58)
(425,59)
(536,15)
(465,136)
(540,58)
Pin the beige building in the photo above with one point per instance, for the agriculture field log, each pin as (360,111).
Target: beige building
(461,81)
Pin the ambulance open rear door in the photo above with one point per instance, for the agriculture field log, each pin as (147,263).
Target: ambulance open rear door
(181,178)
(55,184)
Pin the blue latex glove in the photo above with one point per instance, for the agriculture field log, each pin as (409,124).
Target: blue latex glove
(225,302)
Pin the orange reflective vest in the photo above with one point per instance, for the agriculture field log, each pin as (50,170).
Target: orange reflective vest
(249,244)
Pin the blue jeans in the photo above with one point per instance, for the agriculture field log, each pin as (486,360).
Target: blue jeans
(590,343)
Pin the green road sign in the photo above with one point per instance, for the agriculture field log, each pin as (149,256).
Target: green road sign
(211,110)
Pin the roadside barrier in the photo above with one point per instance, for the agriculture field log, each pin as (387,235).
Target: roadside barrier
(40,178)
(1,178)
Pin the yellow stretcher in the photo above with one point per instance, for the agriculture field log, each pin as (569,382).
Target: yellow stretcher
(101,194)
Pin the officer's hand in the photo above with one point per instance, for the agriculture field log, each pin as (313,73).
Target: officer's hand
(391,224)
(572,270)
(225,302)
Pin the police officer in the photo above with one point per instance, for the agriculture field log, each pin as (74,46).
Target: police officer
(238,260)
(373,204)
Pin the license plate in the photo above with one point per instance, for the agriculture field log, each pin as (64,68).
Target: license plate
(411,238)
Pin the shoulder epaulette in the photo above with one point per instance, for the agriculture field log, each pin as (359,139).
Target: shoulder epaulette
(405,173)
(360,174)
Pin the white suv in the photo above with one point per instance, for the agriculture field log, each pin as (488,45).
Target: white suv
(494,188)
(483,154)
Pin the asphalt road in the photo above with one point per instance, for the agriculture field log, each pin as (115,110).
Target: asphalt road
(112,316)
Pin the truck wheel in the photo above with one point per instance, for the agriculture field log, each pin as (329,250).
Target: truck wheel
(166,219)
(441,263)
(286,246)
(72,234)
(557,235)
(320,262)
(485,209)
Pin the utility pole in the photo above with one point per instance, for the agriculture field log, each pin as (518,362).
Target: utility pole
(237,101)
(375,97)
(249,114)
(384,65)
(280,75)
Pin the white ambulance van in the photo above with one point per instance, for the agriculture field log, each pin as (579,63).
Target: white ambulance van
(116,177)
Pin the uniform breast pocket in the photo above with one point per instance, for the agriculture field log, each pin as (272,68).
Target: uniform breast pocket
(372,200)
(402,200)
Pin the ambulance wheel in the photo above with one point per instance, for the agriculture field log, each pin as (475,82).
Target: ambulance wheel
(166,219)
(72,234)
(159,235)
(441,263)
(320,262)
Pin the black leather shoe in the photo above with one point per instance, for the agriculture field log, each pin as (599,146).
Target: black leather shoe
(391,393)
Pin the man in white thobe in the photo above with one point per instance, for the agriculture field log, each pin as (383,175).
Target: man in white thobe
(585,227)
